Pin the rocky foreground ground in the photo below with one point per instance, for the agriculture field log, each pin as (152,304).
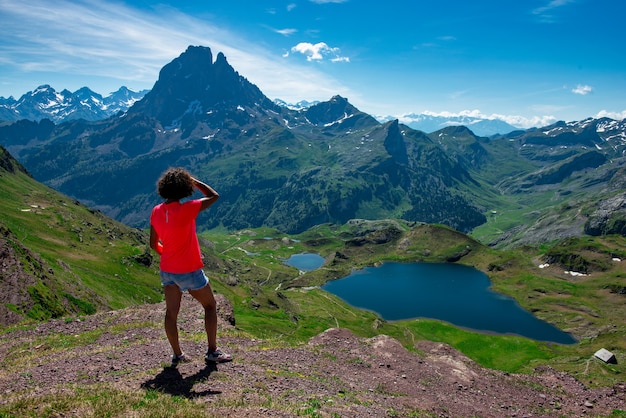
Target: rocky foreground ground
(335,374)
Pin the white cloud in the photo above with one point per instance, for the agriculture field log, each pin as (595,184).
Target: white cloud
(286,31)
(552,4)
(92,38)
(613,115)
(545,12)
(318,51)
(528,122)
(583,90)
(471,113)
(515,120)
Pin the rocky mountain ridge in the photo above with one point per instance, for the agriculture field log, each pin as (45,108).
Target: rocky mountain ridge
(46,103)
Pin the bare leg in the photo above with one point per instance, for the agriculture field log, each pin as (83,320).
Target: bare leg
(207,300)
(173,296)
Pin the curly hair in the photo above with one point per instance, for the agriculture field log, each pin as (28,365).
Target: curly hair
(175,184)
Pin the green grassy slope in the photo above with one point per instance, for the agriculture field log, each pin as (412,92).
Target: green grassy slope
(80,260)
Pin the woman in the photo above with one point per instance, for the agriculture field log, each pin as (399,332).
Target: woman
(173,236)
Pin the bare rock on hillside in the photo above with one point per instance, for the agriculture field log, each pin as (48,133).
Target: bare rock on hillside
(14,280)
(609,217)
(335,374)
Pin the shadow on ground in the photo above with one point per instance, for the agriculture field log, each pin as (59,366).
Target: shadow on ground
(169,380)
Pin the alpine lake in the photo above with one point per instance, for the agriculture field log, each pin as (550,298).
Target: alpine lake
(453,293)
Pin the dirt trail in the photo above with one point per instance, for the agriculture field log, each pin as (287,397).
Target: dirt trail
(344,375)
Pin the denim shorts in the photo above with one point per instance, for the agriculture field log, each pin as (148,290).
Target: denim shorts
(195,280)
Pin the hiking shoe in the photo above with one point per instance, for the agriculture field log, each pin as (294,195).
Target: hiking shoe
(176,360)
(218,356)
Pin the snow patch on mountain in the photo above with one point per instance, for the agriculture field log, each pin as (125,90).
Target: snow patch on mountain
(301,105)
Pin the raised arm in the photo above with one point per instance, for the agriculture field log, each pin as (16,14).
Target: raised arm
(208,191)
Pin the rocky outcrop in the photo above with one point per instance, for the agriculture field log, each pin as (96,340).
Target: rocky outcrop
(609,217)
(459,255)
(394,144)
(8,163)
(15,280)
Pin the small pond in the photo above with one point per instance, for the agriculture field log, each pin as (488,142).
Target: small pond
(452,293)
(305,261)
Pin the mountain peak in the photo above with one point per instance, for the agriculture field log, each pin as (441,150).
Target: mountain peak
(193,84)
(84,93)
(338,112)
(221,58)
(335,109)
(42,88)
(198,51)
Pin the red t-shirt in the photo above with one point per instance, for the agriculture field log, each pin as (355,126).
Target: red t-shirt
(175,224)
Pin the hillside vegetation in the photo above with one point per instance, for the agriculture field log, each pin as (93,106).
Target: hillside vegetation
(60,257)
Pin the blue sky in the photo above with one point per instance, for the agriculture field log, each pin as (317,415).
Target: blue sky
(527,62)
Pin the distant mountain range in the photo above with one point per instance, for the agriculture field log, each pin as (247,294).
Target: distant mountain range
(431,123)
(328,162)
(46,103)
